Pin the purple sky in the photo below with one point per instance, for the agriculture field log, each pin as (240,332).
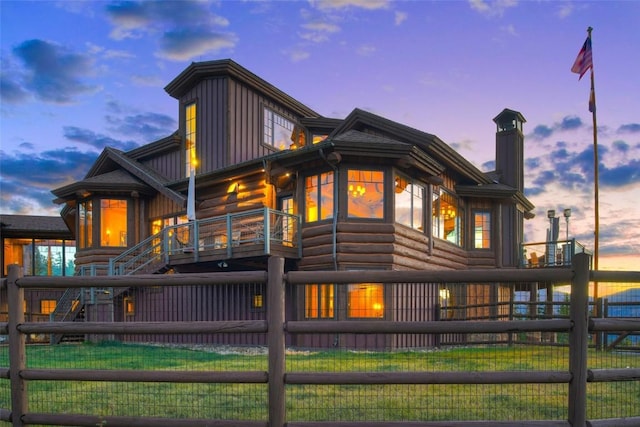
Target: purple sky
(79,76)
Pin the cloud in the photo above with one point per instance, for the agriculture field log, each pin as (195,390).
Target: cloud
(185,43)
(568,123)
(341,4)
(148,126)
(92,139)
(629,128)
(400,17)
(318,31)
(492,8)
(11,92)
(564,10)
(177,41)
(52,73)
(31,192)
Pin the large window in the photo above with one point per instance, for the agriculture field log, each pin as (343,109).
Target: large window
(365,194)
(85,224)
(447,218)
(279,132)
(482,230)
(319,197)
(365,300)
(190,138)
(409,203)
(113,222)
(318,301)
(40,257)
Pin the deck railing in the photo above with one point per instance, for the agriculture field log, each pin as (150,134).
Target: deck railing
(264,227)
(280,376)
(558,253)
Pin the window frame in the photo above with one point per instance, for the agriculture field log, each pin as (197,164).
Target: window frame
(190,137)
(324,295)
(318,178)
(413,184)
(438,222)
(381,296)
(271,121)
(489,223)
(351,191)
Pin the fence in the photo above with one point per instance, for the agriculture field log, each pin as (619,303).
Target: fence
(284,386)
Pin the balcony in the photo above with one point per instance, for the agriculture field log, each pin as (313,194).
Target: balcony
(550,254)
(246,236)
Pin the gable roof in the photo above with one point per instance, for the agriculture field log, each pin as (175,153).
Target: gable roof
(34,226)
(114,170)
(431,144)
(198,71)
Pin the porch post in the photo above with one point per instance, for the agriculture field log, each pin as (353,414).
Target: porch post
(276,341)
(17,346)
(578,341)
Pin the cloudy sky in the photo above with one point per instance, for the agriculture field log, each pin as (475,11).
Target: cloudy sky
(78,76)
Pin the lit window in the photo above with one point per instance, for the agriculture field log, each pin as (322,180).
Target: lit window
(318,301)
(319,197)
(113,222)
(316,138)
(279,132)
(129,306)
(447,220)
(85,224)
(365,194)
(366,300)
(257,301)
(409,203)
(47,306)
(190,138)
(482,230)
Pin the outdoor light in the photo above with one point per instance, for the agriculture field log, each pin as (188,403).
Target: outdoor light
(551,213)
(233,188)
(567,213)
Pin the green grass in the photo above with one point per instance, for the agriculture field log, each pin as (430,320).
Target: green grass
(322,403)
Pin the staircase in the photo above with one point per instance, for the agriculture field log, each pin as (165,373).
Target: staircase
(67,309)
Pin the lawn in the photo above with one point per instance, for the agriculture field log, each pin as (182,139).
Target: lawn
(313,402)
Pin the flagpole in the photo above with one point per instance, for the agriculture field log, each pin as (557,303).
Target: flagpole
(592,104)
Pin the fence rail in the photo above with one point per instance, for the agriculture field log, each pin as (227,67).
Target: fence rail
(278,377)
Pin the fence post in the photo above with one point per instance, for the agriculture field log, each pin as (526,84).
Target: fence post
(578,341)
(17,346)
(276,341)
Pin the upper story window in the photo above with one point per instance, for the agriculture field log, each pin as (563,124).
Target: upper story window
(318,190)
(409,203)
(190,138)
(482,230)
(113,222)
(365,194)
(447,218)
(279,132)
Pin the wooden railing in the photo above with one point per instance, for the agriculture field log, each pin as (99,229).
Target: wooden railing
(224,234)
(576,377)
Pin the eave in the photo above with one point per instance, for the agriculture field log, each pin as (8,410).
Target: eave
(431,144)
(198,71)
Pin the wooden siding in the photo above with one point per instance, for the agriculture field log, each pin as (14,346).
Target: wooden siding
(212,129)
(253,193)
(414,302)
(168,164)
(191,304)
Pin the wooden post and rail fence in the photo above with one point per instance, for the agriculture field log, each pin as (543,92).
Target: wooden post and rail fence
(578,326)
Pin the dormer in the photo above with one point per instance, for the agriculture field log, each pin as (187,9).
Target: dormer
(228,116)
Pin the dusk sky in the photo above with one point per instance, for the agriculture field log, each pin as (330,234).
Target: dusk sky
(78,76)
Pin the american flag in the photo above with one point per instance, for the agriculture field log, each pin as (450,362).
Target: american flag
(584,61)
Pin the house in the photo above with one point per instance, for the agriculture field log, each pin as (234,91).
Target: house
(41,246)
(252,173)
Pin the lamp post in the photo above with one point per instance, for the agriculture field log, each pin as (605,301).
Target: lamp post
(567,214)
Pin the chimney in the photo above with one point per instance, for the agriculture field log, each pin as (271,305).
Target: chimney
(510,148)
